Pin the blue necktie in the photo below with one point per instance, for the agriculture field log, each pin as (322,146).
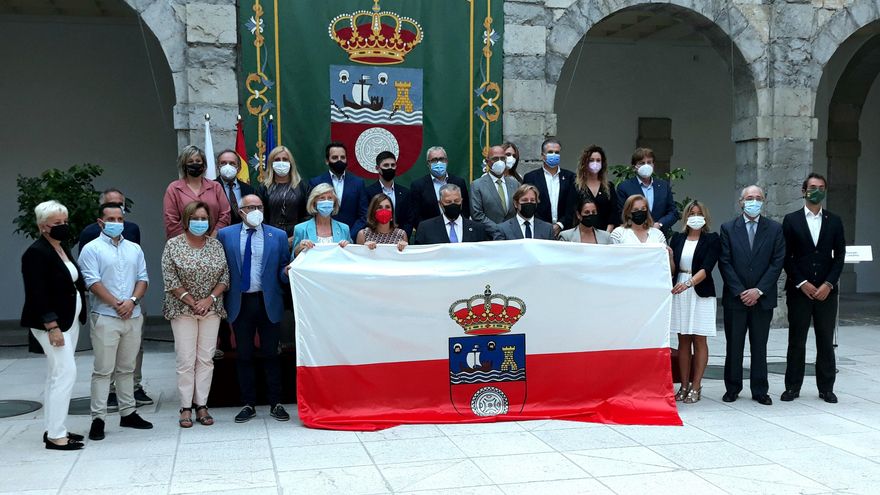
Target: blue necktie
(246,262)
(453,237)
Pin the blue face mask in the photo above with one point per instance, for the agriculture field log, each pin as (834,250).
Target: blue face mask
(438,169)
(752,207)
(552,159)
(198,227)
(325,207)
(112,229)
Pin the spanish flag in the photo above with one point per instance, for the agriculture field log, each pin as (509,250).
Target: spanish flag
(244,174)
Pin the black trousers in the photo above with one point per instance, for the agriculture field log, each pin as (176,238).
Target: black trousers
(755,322)
(823,314)
(252,319)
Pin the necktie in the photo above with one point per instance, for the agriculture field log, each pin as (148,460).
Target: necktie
(233,203)
(246,262)
(528,230)
(751,233)
(453,237)
(501,195)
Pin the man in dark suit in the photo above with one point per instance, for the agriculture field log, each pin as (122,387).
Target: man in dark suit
(752,257)
(556,185)
(257,256)
(450,226)
(525,225)
(814,251)
(349,189)
(426,189)
(400,196)
(657,191)
(230,165)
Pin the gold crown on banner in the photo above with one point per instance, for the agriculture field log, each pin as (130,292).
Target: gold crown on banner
(385,40)
(487,313)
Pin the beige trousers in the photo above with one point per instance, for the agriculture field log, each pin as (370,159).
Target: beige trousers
(195,340)
(116,343)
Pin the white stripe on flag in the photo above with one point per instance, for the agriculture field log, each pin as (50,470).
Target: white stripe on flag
(211,171)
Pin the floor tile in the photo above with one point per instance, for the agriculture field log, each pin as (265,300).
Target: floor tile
(620,461)
(294,435)
(470,490)
(415,450)
(640,484)
(664,435)
(708,455)
(478,428)
(47,474)
(433,475)
(830,466)
(500,444)
(525,468)
(121,473)
(403,432)
(813,425)
(216,473)
(232,450)
(320,457)
(767,479)
(583,438)
(558,487)
(359,480)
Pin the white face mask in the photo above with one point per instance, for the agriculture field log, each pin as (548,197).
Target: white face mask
(281,168)
(696,222)
(228,171)
(498,167)
(254,218)
(646,170)
(510,161)
(595,167)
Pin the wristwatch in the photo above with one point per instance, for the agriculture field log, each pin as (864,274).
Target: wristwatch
(213,297)
(689,282)
(135,300)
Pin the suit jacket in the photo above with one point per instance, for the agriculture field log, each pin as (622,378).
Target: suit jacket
(353,203)
(130,231)
(664,210)
(510,230)
(403,208)
(805,261)
(705,257)
(759,267)
(574,235)
(486,205)
(275,258)
(48,289)
(434,231)
(424,200)
(245,190)
(309,230)
(567,196)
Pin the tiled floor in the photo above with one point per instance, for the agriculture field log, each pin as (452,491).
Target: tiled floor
(805,447)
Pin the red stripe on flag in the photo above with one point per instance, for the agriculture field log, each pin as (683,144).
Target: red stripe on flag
(618,387)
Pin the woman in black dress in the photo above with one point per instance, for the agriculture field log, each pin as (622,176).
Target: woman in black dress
(592,182)
(284,192)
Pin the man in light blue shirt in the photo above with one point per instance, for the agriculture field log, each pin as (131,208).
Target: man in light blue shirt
(115,273)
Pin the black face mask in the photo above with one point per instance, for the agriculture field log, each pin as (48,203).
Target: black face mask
(388,174)
(452,211)
(195,169)
(590,221)
(338,167)
(527,210)
(639,217)
(60,232)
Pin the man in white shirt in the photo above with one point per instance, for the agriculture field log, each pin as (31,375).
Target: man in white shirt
(556,185)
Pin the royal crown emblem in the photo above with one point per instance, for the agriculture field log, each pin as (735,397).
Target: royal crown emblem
(375,38)
(487,313)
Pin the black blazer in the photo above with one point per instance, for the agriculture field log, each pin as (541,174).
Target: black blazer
(743,268)
(705,257)
(403,210)
(48,288)
(567,196)
(434,231)
(424,199)
(816,264)
(245,190)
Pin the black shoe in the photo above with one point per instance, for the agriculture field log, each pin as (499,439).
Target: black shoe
(97,430)
(828,397)
(141,398)
(277,411)
(135,421)
(789,395)
(729,396)
(76,437)
(763,400)
(70,445)
(246,414)
(112,403)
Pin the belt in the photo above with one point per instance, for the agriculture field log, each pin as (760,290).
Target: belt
(685,271)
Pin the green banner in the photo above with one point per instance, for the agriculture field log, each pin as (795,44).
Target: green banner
(395,75)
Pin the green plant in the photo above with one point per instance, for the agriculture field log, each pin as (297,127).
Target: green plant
(73,188)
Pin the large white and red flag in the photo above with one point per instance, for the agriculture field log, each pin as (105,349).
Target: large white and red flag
(477,332)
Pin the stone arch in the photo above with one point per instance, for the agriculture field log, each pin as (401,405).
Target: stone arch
(840,27)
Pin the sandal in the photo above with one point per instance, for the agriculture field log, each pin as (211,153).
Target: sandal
(682,392)
(207,419)
(185,422)
(693,396)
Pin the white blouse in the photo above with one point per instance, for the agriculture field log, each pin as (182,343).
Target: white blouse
(624,235)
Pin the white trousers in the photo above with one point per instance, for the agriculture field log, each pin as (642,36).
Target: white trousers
(116,343)
(195,340)
(60,377)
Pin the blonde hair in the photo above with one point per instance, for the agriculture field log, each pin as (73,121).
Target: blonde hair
(184,156)
(46,209)
(523,190)
(269,176)
(703,210)
(626,215)
(321,189)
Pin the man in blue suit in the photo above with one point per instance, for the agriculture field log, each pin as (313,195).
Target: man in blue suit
(257,256)
(657,191)
(349,189)
(752,258)
(400,196)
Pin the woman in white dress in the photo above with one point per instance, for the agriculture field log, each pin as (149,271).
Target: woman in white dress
(695,253)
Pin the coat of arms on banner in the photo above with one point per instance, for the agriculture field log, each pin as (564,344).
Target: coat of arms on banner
(487,369)
(374,107)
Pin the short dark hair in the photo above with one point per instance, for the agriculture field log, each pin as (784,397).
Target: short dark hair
(550,140)
(641,154)
(227,150)
(104,206)
(334,144)
(814,175)
(381,157)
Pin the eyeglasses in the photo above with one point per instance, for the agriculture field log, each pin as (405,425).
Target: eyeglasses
(251,208)
(437,159)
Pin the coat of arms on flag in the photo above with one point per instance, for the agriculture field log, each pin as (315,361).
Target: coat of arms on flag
(373,107)
(487,369)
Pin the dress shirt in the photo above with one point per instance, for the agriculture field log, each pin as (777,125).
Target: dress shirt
(236,189)
(389,191)
(119,267)
(553,191)
(338,184)
(457,224)
(814,222)
(438,183)
(522,225)
(256,255)
(648,192)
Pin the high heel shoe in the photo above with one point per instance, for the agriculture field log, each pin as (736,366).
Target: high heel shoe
(70,445)
(682,392)
(693,396)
